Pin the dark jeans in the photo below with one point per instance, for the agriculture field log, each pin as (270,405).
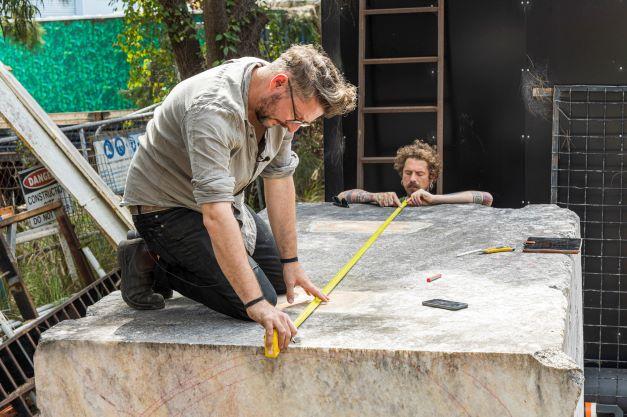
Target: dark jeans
(188,263)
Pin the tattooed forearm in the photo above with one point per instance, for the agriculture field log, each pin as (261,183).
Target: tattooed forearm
(483,198)
(356,196)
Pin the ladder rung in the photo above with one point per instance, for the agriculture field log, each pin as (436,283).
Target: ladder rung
(430,9)
(404,60)
(377,159)
(402,109)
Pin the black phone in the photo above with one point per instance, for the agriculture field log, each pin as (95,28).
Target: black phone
(445,304)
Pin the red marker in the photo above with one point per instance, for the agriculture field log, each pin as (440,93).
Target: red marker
(433,278)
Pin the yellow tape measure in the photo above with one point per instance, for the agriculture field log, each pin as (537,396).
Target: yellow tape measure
(313,305)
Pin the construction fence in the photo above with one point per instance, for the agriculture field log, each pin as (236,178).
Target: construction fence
(44,262)
(25,184)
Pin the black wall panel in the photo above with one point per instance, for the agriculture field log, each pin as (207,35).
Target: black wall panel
(492,140)
(485,55)
(569,42)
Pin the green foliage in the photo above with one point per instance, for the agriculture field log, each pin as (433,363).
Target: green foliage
(76,69)
(148,51)
(229,41)
(31,38)
(152,72)
(309,177)
(16,22)
(283,30)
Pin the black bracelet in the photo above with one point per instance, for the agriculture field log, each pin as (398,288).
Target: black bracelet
(253,302)
(289,260)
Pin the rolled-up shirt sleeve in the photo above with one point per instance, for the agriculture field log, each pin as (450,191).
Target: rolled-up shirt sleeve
(284,163)
(208,132)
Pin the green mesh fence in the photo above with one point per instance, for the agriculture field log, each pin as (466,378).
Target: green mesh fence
(77,69)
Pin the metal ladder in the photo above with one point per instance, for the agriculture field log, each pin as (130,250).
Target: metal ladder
(363,61)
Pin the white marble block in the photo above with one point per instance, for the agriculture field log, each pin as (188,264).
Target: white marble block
(373,351)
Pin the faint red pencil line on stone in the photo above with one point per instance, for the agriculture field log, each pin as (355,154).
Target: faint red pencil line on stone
(164,399)
(228,386)
(496,397)
(217,389)
(451,396)
(90,388)
(158,404)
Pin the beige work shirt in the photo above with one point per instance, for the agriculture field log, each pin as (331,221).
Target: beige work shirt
(200,147)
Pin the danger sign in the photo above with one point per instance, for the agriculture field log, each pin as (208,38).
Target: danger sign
(40,188)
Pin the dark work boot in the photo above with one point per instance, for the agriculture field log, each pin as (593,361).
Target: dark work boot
(137,276)
(162,285)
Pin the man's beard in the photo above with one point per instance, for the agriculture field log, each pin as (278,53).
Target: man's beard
(266,107)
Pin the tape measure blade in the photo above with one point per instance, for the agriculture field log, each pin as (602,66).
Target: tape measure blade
(349,265)
(311,307)
(330,286)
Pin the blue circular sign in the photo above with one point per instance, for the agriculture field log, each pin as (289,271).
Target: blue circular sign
(133,142)
(108,148)
(120,146)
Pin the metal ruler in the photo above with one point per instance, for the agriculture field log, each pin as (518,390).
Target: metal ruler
(313,305)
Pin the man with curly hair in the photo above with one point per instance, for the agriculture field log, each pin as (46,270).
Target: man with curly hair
(419,168)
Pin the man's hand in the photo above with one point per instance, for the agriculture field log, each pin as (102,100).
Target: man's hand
(422,198)
(293,275)
(387,199)
(271,318)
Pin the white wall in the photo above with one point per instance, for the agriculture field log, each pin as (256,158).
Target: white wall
(98,7)
(54,8)
(51,8)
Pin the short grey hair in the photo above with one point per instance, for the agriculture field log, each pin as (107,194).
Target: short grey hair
(315,75)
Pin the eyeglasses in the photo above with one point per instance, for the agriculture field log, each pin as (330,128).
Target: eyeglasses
(295,121)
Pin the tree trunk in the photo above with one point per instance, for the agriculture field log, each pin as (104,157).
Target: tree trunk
(251,32)
(216,21)
(181,31)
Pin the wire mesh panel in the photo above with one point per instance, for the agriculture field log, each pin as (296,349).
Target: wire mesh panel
(588,177)
(9,185)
